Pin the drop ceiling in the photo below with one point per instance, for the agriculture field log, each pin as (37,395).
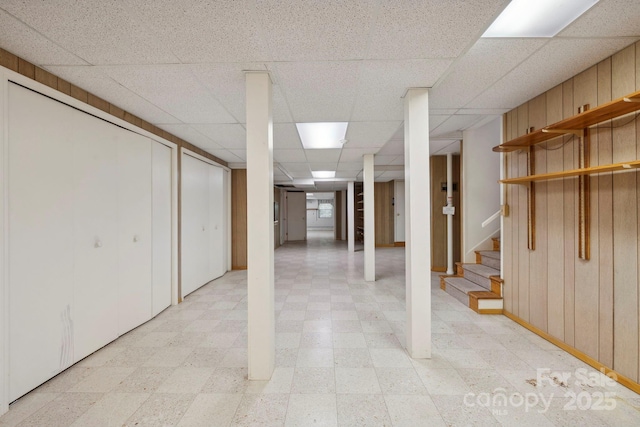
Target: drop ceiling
(179,65)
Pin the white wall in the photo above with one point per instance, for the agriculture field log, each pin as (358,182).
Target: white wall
(480,188)
(313,222)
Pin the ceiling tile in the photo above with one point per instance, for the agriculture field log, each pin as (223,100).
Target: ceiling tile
(370,134)
(608,18)
(323,166)
(347,174)
(103,32)
(562,59)
(241,154)
(226,155)
(382,85)
(456,123)
(95,81)
(402,30)
(353,155)
(437,120)
(296,167)
(315,156)
(191,135)
(383,160)
(203,31)
(28,44)
(393,147)
(330,29)
(230,136)
(318,91)
(174,89)
(350,166)
(290,156)
(485,63)
(285,136)
(398,160)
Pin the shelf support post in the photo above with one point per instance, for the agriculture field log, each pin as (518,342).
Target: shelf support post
(531,201)
(584,201)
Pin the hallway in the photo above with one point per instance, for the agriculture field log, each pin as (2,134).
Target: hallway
(339,361)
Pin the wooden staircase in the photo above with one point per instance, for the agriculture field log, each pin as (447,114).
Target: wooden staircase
(479,285)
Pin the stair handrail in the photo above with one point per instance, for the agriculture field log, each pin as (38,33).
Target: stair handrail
(491,218)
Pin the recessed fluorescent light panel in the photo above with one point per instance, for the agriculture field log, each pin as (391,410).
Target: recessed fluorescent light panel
(537,18)
(322,135)
(323,174)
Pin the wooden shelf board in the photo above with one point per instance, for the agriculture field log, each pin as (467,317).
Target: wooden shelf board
(610,110)
(624,166)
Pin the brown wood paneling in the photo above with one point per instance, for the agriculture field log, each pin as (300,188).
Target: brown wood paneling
(276,222)
(515,220)
(555,223)
(100,104)
(79,94)
(239,219)
(457,202)
(569,203)
(585,91)
(538,257)
(64,86)
(26,68)
(625,225)
(438,171)
(523,259)
(383,198)
(338,213)
(507,230)
(604,183)
(8,60)
(46,78)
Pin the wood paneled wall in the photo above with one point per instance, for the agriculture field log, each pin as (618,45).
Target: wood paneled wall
(592,306)
(338,209)
(238,219)
(276,224)
(438,220)
(384,225)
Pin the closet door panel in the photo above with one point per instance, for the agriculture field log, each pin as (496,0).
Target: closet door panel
(216,221)
(195,224)
(161,193)
(134,230)
(40,240)
(95,230)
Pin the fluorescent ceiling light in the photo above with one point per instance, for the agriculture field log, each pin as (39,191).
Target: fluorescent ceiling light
(322,135)
(323,174)
(537,18)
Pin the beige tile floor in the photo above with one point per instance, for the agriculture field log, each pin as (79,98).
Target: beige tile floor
(340,361)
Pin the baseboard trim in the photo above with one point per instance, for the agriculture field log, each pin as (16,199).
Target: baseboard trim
(439,269)
(490,311)
(399,244)
(238,267)
(627,382)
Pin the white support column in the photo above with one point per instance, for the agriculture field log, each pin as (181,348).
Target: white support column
(351,236)
(260,275)
(449,215)
(369,221)
(417,222)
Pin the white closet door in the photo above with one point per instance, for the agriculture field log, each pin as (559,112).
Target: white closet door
(40,240)
(195,224)
(95,228)
(217,241)
(161,183)
(134,230)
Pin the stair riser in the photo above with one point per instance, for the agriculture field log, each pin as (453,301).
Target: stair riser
(460,296)
(491,262)
(477,279)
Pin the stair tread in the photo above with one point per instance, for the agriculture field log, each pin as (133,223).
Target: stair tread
(490,254)
(481,270)
(463,285)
